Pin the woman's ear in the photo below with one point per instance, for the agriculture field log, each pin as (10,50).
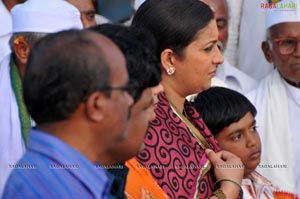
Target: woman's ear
(94,106)
(167,58)
(266,48)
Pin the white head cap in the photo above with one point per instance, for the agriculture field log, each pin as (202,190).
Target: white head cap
(285,11)
(45,16)
(138,3)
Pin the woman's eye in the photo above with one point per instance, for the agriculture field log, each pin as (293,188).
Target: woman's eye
(208,49)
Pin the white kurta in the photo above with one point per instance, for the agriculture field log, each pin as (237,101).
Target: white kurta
(11,142)
(251,59)
(5,30)
(294,115)
(235,12)
(278,121)
(235,79)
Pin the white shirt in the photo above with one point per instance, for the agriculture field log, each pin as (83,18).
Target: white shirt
(251,59)
(294,115)
(235,79)
(101,19)
(278,121)
(11,143)
(235,12)
(5,30)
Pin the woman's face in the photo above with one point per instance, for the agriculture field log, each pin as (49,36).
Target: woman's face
(198,64)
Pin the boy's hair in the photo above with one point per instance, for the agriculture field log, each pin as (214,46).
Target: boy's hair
(220,107)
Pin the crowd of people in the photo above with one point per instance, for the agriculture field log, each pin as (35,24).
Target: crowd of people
(152,108)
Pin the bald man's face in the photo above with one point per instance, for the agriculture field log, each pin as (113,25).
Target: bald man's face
(284,50)
(220,8)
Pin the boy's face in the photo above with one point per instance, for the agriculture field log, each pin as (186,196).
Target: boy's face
(242,139)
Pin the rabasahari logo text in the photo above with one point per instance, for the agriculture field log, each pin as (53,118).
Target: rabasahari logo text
(280,5)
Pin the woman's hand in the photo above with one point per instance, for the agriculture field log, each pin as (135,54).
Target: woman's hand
(227,166)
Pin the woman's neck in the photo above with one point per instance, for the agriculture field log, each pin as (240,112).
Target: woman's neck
(173,96)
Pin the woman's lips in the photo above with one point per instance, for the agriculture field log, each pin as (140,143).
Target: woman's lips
(212,74)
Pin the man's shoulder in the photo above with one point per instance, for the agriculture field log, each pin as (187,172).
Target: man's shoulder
(36,176)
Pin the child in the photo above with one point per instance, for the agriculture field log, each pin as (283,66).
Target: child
(230,117)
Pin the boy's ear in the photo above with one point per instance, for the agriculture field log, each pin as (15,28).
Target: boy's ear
(95,106)
(266,48)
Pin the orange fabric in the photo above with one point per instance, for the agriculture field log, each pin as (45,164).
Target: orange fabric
(140,183)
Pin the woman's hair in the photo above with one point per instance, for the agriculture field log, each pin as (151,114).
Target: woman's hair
(174,23)
(220,107)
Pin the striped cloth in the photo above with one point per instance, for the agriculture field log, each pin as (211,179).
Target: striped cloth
(52,169)
(257,186)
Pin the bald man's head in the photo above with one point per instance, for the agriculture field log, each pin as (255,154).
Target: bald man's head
(221,10)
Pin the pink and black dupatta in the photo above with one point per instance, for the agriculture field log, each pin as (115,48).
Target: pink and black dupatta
(174,156)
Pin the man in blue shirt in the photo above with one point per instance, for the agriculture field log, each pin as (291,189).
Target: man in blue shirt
(76,89)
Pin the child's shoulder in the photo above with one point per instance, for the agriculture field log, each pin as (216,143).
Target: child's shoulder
(257,186)
(259,178)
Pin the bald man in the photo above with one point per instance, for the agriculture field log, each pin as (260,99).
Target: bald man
(230,75)
(81,110)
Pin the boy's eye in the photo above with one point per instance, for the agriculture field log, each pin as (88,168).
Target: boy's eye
(236,137)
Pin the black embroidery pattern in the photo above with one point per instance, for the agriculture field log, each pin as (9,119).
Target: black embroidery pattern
(173,155)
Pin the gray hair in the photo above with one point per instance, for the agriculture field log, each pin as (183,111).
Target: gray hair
(30,37)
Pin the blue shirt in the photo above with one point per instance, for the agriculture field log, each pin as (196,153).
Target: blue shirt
(52,169)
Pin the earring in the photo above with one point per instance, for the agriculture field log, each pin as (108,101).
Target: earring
(170,71)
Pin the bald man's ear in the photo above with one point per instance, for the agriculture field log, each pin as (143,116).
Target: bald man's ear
(94,106)
(267,51)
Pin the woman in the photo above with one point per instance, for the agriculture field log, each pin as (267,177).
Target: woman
(176,140)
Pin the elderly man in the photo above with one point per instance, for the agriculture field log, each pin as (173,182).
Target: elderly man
(230,75)
(277,100)
(31,21)
(80,100)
